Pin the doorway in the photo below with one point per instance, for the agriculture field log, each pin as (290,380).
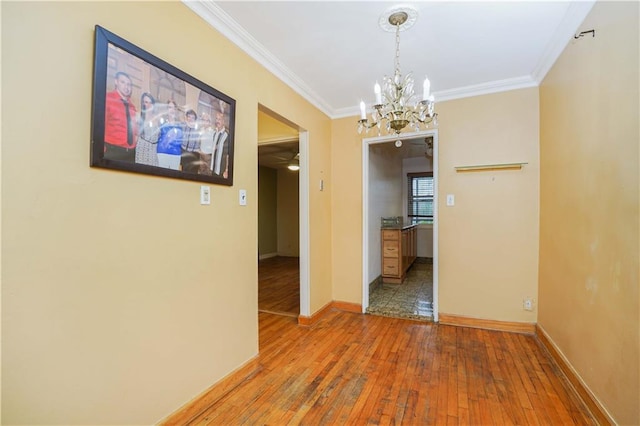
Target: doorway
(282,216)
(372,268)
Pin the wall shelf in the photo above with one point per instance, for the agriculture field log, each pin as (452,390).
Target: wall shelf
(487,167)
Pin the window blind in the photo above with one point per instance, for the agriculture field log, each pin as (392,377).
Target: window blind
(420,197)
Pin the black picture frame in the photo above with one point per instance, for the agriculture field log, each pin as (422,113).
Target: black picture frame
(130,135)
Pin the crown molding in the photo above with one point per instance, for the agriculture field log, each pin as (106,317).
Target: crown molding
(228,27)
(487,88)
(573,18)
(463,92)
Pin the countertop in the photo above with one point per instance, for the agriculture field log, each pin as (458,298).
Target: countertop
(397,227)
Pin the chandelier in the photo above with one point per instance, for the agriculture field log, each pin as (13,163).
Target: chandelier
(396,105)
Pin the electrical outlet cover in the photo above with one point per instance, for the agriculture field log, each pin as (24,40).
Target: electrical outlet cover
(451,200)
(205,195)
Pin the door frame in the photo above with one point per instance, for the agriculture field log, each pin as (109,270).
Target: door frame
(366,143)
(303,208)
(303,211)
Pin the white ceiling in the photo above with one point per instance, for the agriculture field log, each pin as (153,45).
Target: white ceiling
(332,52)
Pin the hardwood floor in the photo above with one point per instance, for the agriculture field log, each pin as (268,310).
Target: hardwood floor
(361,369)
(279,285)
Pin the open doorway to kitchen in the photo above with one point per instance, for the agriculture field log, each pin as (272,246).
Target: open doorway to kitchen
(400,226)
(282,216)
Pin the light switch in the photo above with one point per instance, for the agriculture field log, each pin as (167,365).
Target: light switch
(243,197)
(451,200)
(205,195)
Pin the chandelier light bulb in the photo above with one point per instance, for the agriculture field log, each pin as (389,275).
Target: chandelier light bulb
(376,90)
(363,111)
(425,89)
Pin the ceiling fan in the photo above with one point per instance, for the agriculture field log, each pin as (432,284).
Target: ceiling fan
(426,143)
(289,158)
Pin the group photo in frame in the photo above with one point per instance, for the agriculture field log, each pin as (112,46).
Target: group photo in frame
(150,117)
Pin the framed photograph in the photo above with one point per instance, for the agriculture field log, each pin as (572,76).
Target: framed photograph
(150,117)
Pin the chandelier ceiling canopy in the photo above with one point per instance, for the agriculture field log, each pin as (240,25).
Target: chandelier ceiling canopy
(396,105)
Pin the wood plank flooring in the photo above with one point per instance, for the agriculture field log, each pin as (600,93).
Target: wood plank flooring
(353,369)
(279,285)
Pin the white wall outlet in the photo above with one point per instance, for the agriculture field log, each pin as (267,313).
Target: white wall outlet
(527,304)
(242,197)
(205,195)
(451,200)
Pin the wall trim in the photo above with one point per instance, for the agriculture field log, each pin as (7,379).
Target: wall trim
(376,283)
(487,324)
(486,88)
(215,16)
(347,306)
(284,254)
(573,18)
(266,256)
(579,386)
(305,239)
(194,407)
(322,312)
(314,318)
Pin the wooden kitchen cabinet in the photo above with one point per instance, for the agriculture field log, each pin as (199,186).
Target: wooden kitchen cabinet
(399,251)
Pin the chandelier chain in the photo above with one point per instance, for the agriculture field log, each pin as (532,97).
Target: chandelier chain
(397,49)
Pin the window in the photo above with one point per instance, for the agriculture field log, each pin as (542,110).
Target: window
(420,197)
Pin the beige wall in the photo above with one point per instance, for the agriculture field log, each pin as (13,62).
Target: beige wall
(278,212)
(589,299)
(346,208)
(267,211)
(122,297)
(489,240)
(271,129)
(117,310)
(288,213)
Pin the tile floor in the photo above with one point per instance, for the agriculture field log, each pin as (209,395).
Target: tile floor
(411,299)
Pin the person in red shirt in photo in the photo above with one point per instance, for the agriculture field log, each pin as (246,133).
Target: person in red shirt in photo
(120,127)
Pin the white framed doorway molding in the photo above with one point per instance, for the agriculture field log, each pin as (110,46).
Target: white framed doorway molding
(366,143)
